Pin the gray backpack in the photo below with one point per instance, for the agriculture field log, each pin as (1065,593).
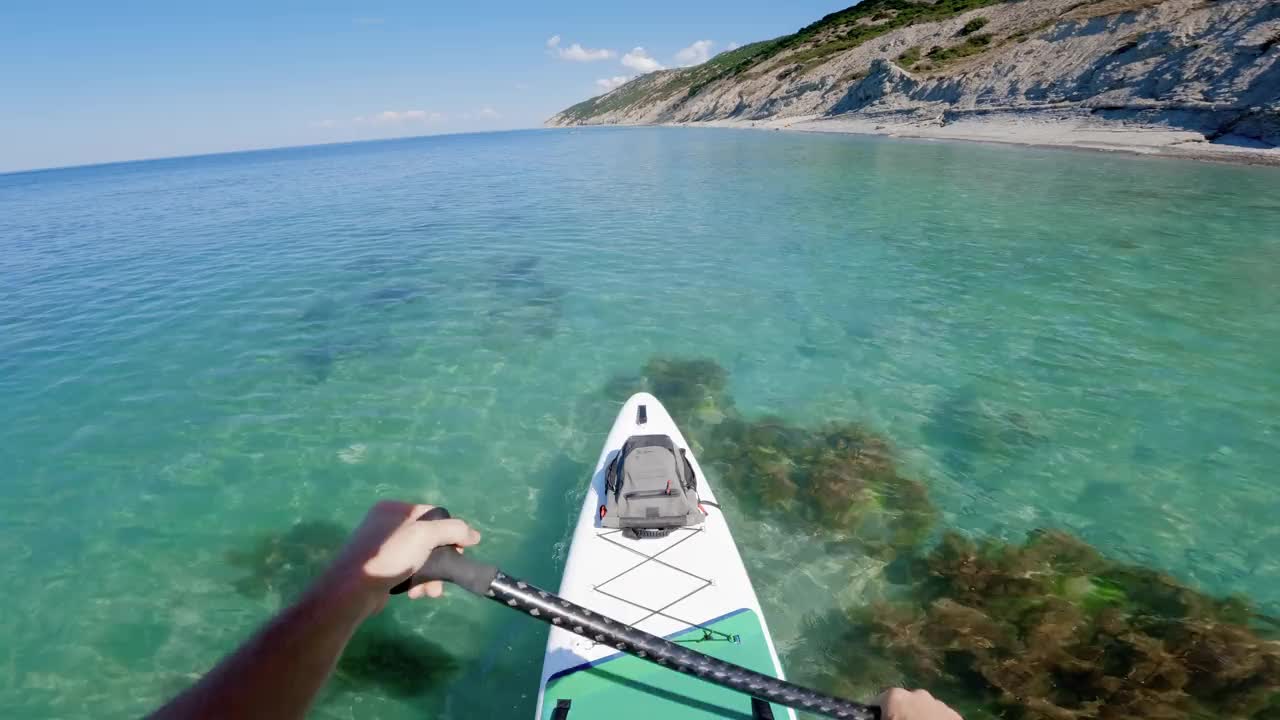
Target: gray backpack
(650,489)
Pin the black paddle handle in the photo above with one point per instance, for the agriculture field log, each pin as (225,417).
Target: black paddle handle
(446,563)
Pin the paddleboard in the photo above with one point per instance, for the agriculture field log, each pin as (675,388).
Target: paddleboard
(689,587)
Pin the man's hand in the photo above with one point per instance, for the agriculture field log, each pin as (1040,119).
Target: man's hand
(389,546)
(899,704)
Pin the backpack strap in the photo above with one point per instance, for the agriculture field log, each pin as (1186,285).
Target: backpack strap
(690,479)
(611,474)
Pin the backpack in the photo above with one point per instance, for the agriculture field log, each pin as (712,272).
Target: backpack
(650,489)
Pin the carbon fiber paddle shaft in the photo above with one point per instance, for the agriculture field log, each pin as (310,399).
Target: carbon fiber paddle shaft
(557,611)
(486,580)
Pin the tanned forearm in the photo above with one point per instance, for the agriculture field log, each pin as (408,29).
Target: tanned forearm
(279,671)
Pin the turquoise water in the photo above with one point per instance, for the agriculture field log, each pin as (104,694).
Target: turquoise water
(197,355)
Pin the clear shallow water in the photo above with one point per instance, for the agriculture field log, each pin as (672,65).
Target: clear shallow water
(198,354)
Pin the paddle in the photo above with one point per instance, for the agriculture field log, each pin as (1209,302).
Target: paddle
(487,581)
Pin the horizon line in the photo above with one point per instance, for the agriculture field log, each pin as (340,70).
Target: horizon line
(273,148)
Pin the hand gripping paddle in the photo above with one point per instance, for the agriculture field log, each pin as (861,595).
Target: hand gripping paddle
(446,563)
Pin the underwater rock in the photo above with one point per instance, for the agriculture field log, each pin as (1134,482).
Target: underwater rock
(545,295)
(317,361)
(392,296)
(321,310)
(954,426)
(517,270)
(540,319)
(378,263)
(286,562)
(1144,454)
(860,328)
(964,428)
(525,303)
(807,350)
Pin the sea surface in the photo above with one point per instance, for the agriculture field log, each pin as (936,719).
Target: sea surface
(211,366)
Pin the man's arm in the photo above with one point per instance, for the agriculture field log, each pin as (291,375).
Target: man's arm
(279,671)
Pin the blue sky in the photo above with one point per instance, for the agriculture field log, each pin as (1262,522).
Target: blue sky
(92,81)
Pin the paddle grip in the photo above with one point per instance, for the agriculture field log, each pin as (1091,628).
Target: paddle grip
(446,563)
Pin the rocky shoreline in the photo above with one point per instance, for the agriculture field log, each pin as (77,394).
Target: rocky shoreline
(1060,129)
(1176,78)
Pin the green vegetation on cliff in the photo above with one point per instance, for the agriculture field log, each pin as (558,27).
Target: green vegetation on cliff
(853,26)
(809,46)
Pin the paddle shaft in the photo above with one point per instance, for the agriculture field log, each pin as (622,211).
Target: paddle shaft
(488,581)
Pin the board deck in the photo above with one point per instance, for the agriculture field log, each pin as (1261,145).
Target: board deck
(690,587)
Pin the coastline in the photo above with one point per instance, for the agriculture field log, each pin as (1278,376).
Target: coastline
(1077,131)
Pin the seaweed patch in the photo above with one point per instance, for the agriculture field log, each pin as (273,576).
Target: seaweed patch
(841,477)
(1046,629)
(694,390)
(1051,628)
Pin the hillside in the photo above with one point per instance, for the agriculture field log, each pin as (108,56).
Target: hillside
(1208,66)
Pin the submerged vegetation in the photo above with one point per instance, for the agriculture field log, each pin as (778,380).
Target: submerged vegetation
(841,477)
(1051,629)
(1045,629)
(284,563)
(694,391)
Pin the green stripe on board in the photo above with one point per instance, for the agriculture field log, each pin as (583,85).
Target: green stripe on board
(627,688)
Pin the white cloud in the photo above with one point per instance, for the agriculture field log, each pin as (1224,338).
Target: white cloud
(696,54)
(324,124)
(522,86)
(734,45)
(488,113)
(610,83)
(577,53)
(640,60)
